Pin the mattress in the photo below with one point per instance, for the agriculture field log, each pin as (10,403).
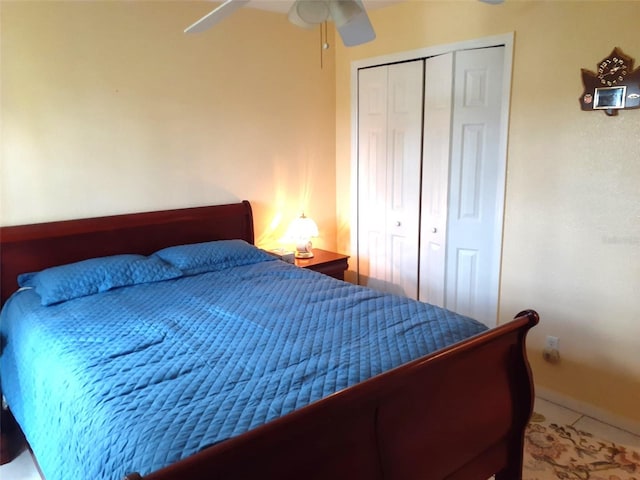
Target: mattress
(137,377)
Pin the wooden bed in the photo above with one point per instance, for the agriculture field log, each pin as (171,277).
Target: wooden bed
(459,413)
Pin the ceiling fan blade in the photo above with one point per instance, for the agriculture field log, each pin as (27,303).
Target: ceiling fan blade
(352,22)
(213,17)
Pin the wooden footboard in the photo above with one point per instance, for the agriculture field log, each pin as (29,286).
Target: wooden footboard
(459,413)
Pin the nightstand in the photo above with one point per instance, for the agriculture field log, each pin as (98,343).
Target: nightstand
(323,261)
(12,440)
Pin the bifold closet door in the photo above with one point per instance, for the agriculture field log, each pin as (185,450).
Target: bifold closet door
(438,111)
(463,183)
(476,186)
(389,161)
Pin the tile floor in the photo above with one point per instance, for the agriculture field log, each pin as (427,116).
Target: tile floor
(23,468)
(558,414)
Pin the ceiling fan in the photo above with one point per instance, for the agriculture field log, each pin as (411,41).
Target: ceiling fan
(350,17)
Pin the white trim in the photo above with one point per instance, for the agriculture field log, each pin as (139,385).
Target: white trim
(353,191)
(589,410)
(506,40)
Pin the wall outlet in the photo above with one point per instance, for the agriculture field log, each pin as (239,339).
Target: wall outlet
(552,343)
(551,352)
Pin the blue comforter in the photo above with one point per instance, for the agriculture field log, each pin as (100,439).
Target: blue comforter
(136,378)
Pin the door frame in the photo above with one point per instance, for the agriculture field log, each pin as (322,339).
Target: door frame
(507,41)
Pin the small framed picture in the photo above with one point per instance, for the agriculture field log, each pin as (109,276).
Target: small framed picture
(609,97)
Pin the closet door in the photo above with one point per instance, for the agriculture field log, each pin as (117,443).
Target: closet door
(476,186)
(389,160)
(463,183)
(431,228)
(438,107)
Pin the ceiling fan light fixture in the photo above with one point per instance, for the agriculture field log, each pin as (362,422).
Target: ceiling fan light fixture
(295,19)
(310,12)
(344,11)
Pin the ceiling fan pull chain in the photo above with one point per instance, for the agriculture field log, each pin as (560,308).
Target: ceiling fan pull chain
(321,52)
(324,44)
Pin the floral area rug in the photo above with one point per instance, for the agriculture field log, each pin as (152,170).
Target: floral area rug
(555,452)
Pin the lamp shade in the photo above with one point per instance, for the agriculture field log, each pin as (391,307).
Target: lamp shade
(301,231)
(302,228)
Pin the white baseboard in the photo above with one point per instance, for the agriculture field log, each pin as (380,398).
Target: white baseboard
(589,410)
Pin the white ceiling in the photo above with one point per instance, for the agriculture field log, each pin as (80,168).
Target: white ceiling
(284,5)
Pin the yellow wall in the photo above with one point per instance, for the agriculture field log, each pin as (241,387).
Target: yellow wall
(107,107)
(572,226)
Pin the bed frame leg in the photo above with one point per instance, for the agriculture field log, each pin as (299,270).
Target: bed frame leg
(508,474)
(513,471)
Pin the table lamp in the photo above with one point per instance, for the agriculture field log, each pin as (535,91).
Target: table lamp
(301,230)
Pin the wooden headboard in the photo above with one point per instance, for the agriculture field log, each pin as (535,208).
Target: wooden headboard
(29,248)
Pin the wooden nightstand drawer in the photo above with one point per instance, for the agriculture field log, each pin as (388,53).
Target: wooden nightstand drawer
(323,261)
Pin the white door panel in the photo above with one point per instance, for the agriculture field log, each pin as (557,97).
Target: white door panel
(371,167)
(474,228)
(389,111)
(438,98)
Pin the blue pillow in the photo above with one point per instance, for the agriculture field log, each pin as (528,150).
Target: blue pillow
(65,282)
(212,256)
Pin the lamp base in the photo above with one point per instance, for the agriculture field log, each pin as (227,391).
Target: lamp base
(304,250)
